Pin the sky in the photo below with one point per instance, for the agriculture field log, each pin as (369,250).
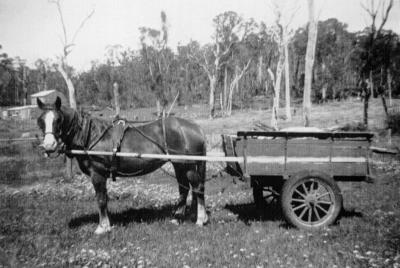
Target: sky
(31,29)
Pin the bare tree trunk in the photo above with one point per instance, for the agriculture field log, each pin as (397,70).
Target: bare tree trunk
(276,89)
(389,82)
(213,81)
(371,82)
(260,70)
(116,99)
(366,104)
(158,107)
(312,39)
(225,95)
(24,89)
(324,89)
(287,85)
(278,81)
(70,86)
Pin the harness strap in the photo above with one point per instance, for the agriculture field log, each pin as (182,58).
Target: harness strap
(118,135)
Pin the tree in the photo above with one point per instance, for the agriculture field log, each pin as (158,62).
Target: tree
(312,40)
(369,46)
(7,79)
(282,37)
(157,57)
(68,43)
(62,66)
(229,31)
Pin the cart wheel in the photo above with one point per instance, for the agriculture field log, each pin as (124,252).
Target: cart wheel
(264,196)
(311,200)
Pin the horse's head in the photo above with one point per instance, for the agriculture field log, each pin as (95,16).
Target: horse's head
(51,123)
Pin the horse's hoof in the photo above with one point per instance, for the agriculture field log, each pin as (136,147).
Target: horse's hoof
(102,230)
(174,221)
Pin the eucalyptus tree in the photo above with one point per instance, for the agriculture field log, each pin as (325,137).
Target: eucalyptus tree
(376,12)
(309,62)
(68,42)
(230,29)
(158,59)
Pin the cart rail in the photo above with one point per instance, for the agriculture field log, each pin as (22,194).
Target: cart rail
(220,157)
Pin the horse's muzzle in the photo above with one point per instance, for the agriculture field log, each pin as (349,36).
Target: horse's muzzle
(46,150)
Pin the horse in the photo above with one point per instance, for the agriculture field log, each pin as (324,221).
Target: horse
(65,129)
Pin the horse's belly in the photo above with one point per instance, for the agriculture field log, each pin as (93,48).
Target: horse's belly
(138,167)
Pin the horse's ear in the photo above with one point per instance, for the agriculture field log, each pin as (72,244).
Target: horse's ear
(39,103)
(57,104)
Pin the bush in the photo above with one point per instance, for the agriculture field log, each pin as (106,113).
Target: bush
(354,126)
(393,122)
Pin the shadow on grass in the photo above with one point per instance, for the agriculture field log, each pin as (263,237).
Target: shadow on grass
(272,212)
(125,217)
(350,213)
(249,212)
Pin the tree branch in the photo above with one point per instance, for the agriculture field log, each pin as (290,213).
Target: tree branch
(385,14)
(58,5)
(81,25)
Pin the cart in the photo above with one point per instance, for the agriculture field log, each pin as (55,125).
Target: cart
(300,170)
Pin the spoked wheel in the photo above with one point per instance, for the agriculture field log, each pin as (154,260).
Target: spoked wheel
(264,196)
(311,201)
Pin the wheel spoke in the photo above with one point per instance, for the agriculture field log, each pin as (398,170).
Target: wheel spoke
(316,213)
(303,212)
(312,185)
(304,188)
(322,195)
(299,207)
(324,202)
(309,214)
(299,193)
(298,200)
(321,208)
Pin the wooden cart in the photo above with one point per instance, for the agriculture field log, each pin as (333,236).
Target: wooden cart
(301,168)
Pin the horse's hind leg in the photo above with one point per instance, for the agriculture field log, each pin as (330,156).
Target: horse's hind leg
(196,177)
(100,186)
(184,187)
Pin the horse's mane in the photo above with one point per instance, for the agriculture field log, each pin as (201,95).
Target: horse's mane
(85,127)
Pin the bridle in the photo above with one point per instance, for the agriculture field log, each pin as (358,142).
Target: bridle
(57,135)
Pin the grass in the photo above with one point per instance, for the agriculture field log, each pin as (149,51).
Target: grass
(47,222)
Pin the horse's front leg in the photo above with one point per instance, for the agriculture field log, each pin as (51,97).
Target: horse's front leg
(100,186)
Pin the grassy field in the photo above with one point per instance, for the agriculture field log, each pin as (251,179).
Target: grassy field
(47,221)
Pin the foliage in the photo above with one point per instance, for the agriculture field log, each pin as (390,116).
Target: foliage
(393,122)
(156,71)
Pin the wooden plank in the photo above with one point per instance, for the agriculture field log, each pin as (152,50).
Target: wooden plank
(293,134)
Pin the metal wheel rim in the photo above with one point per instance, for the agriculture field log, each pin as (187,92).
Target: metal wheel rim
(312,202)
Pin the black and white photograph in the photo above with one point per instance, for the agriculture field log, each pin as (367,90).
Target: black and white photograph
(200,133)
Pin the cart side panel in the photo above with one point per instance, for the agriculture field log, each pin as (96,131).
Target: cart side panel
(272,148)
(350,158)
(308,154)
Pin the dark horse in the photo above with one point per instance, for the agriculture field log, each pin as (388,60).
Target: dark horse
(64,127)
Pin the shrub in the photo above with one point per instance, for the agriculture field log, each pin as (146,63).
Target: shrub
(353,126)
(393,122)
